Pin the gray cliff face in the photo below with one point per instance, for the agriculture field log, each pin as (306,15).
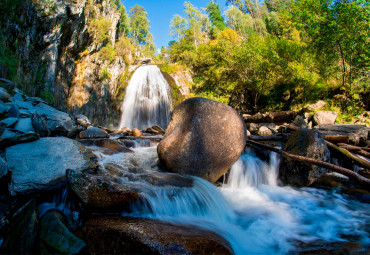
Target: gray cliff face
(60,60)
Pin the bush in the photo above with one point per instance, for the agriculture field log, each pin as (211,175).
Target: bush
(108,53)
(105,74)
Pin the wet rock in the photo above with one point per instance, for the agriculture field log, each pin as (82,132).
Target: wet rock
(264,131)
(99,194)
(204,138)
(83,120)
(14,111)
(3,168)
(152,131)
(253,127)
(299,121)
(316,106)
(158,128)
(3,108)
(24,125)
(8,122)
(59,123)
(307,143)
(136,132)
(39,124)
(146,236)
(4,96)
(325,117)
(142,61)
(93,132)
(22,231)
(12,137)
(111,146)
(55,238)
(41,165)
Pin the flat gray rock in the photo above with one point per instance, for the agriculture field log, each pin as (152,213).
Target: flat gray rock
(24,125)
(42,164)
(8,122)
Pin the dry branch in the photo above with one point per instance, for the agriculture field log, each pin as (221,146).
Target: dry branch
(346,153)
(335,168)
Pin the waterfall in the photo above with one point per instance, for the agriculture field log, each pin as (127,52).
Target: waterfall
(147,100)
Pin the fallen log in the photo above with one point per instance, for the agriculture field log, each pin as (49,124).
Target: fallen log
(347,172)
(271,117)
(337,138)
(352,147)
(346,153)
(275,137)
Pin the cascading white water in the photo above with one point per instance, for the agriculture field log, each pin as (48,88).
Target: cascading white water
(147,100)
(254,214)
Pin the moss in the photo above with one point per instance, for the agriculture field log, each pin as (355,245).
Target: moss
(105,74)
(175,91)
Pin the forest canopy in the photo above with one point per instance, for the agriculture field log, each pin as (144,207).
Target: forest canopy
(277,54)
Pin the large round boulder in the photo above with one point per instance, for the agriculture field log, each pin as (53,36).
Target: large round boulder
(204,138)
(307,143)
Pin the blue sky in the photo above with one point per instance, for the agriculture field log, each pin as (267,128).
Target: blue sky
(160,13)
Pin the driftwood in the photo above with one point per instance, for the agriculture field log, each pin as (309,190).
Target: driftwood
(275,137)
(271,117)
(352,147)
(337,138)
(346,153)
(347,172)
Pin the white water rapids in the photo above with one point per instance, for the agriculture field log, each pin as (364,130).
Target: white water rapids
(147,99)
(254,214)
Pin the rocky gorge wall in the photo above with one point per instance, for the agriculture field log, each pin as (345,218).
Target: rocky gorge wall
(71,54)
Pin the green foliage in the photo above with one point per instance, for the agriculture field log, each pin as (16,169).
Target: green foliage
(124,21)
(105,75)
(47,96)
(99,28)
(139,24)
(215,16)
(8,59)
(108,53)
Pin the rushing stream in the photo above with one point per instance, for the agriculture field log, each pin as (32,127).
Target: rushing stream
(147,100)
(254,214)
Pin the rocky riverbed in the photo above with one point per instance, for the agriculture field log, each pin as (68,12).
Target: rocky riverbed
(68,186)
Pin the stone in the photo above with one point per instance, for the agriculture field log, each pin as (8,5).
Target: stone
(307,143)
(4,96)
(93,132)
(22,231)
(204,138)
(39,125)
(42,164)
(253,127)
(24,125)
(55,237)
(152,131)
(142,61)
(158,128)
(12,137)
(264,131)
(75,131)
(357,134)
(136,132)
(325,117)
(59,123)
(3,168)
(300,122)
(316,106)
(8,122)
(101,195)
(110,146)
(83,120)
(147,236)
(14,111)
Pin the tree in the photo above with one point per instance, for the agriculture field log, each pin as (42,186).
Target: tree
(339,29)
(178,26)
(124,21)
(215,16)
(198,23)
(139,24)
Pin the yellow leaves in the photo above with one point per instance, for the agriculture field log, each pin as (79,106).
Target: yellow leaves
(230,35)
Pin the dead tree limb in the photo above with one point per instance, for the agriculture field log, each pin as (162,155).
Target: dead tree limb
(352,147)
(346,153)
(347,172)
